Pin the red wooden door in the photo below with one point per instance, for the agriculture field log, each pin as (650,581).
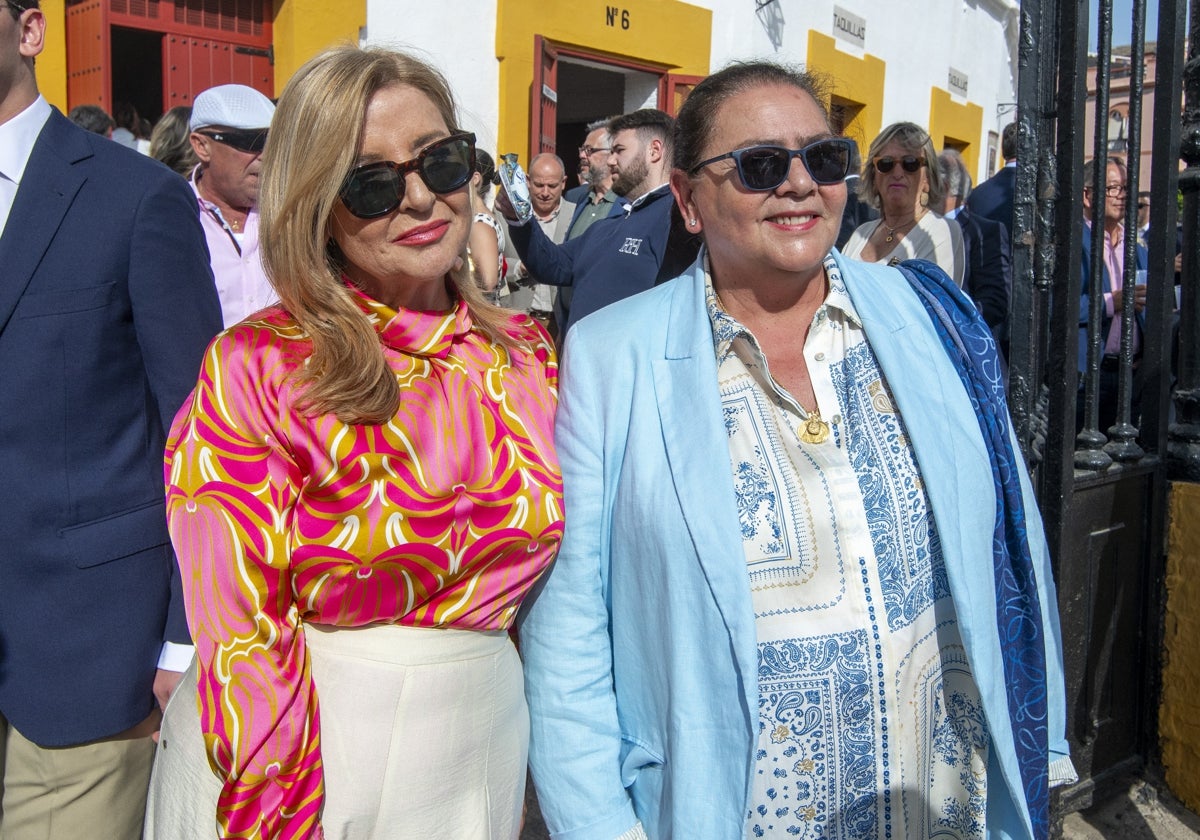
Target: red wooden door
(674,90)
(543,104)
(192,64)
(89,75)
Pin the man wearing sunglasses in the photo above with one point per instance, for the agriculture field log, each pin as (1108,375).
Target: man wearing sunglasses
(229,131)
(106,306)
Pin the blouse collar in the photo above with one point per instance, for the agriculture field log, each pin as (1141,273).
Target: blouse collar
(416,332)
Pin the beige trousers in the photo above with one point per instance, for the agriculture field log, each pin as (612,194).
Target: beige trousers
(75,793)
(424,735)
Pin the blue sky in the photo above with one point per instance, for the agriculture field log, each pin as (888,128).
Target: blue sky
(1123,22)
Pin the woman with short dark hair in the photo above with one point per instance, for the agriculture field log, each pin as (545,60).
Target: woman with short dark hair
(803,589)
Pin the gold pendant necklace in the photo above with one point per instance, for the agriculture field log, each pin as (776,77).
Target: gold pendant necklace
(815,430)
(891,232)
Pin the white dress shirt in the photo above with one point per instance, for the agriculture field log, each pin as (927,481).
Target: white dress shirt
(17,137)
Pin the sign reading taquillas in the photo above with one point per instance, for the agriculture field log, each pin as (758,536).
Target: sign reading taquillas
(849,27)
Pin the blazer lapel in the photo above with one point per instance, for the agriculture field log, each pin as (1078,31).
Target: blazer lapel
(48,188)
(689,405)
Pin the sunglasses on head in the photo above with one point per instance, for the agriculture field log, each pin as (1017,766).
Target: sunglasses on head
(909,163)
(251,141)
(376,189)
(763,168)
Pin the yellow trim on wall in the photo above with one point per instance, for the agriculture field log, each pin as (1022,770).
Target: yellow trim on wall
(962,124)
(858,80)
(51,66)
(1180,704)
(665,33)
(302,28)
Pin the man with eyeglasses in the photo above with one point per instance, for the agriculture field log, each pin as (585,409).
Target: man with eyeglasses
(1110,212)
(106,307)
(229,131)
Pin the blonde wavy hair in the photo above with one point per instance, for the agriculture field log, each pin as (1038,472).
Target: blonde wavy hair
(315,136)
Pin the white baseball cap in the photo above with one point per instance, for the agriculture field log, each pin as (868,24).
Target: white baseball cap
(231,106)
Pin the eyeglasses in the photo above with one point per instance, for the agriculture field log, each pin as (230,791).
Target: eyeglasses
(16,7)
(591,150)
(250,142)
(764,168)
(1114,190)
(376,189)
(909,163)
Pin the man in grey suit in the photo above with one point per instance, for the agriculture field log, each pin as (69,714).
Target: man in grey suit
(547,180)
(106,306)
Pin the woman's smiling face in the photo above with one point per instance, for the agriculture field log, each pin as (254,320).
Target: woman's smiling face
(785,231)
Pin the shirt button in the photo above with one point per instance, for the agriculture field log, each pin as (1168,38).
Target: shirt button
(837,418)
(820,357)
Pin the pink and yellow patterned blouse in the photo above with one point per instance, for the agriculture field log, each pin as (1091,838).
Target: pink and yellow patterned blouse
(442,517)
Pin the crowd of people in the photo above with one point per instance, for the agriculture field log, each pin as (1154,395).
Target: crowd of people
(769,555)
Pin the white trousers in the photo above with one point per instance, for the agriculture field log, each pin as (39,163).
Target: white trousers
(424,734)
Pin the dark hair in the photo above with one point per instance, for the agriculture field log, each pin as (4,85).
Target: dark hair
(486,167)
(91,118)
(23,5)
(1089,169)
(1008,141)
(126,116)
(697,117)
(649,123)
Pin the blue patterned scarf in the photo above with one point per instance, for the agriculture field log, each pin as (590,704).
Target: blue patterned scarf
(972,351)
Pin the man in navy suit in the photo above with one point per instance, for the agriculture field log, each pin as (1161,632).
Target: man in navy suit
(993,199)
(106,306)
(988,250)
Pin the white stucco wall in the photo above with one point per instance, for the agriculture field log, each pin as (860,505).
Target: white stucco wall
(918,41)
(459,38)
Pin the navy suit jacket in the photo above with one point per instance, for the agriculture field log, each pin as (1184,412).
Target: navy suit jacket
(989,267)
(993,199)
(106,305)
(1085,277)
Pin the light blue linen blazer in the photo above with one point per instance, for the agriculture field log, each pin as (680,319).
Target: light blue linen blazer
(639,645)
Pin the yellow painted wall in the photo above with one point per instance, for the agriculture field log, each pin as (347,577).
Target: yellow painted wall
(52,63)
(303,28)
(859,80)
(964,123)
(1179,715)
(666,33)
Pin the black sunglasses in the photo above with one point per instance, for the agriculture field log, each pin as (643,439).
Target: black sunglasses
(909,163)
(376,189)
(763,168)
(251,142)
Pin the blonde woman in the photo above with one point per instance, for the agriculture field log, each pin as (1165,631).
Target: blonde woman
(169,140)
(361,490)
(901,180)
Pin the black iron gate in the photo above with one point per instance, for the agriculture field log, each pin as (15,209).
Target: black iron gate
(1103,490)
